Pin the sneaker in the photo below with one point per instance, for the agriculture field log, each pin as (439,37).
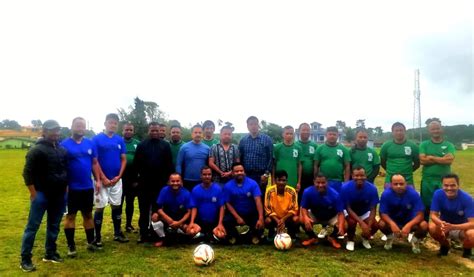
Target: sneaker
(27,266)
(410,237)
(242,230)
(383,238)
(54,258)
(121,238)
(443,251)
(342,237)
(232,240)
(309,242)
(129,229)
(255,240)
(467,253)
(334,243)
(323,233)
(350,245)
(71,252)
(366,243)
(92,248)
(415,245)
(98,244)
(456,244)
(388,242)
(158,244)
(199,235)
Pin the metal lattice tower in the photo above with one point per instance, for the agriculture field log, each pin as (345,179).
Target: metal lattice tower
(417,107)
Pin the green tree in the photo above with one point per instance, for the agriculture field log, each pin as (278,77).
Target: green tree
(8,124)
(37,124)
(360,123)
(341,125)
(274,131)
(350,134)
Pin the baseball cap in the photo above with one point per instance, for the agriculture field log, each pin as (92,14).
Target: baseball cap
(50,125)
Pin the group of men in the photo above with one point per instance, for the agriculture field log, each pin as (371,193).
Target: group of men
(214,190)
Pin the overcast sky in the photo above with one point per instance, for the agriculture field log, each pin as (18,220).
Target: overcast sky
(286,62)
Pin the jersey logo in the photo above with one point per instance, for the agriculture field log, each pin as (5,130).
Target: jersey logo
(370,157)
(295,153)
(339,152)
(119,146)
(214,199)
(407,150)
(181,207)
(444,147)
(249,194)
(408,206)
(311,150)
(135,146)
(461,213)
(89,151)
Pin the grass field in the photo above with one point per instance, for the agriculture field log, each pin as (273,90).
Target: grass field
(132,259)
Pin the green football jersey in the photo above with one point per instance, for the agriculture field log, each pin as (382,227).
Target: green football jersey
(367,158)
(399,159)
(332,160)
(287,157)
(307,157)
(436,171)
(210,142)
(131,147)
(175,149)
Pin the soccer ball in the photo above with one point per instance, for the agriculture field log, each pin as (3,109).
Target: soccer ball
(203,255)
(282,241)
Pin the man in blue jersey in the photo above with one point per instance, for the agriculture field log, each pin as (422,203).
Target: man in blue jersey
(321,204)
(244,205)
(360,200)
(256,153)
(192,156)
(174,210)
(82,162)
(112,160)
(401,214)
(207,209)
(153,163)
(452,216)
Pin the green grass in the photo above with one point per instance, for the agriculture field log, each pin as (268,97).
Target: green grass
(133,259)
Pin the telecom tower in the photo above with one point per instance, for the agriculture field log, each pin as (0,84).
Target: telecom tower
(417,107)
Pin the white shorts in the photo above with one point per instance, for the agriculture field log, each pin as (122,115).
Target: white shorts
(454,235)
(363,217)
(330,222)
(106,195)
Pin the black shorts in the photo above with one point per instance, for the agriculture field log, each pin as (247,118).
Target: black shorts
(80,200)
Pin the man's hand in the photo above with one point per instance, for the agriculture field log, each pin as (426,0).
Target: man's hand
(308,223)
(405,231)
(105,182)
(298,187)
(395,230)
(32,195)
(259,224)
(240,221)
(114,180)
(365,229)
(175,224)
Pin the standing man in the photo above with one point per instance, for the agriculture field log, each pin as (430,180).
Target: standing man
(436,156)
(244,205)
(308,153)
(162,131)
(333,160)
(207,209)
(153,166)
(45,175)
(129,180)
(222,156)
(192,157)
(322,205)
(82,162)
(401,214)
(112,160)
(452,216)
(365,156)
(175,142)
(287,157)
(208,128)
(256,153)
(399,155)
(360,200)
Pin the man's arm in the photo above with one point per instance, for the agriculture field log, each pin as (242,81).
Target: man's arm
(347,171)
(415,221)
(258,203)
(446,159)
(97,173)
(234,213)
(375,172)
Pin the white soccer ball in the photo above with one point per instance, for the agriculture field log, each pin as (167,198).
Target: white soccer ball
(203,255)
(282,241)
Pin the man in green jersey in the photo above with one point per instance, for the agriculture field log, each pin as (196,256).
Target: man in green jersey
(365,156)
(208,129)
(129,182)
(333,160)
(436,156)
(175,142)
(399,155)
(287,156)
(308,151)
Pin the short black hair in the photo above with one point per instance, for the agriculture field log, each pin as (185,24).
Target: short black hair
(208,123)
(78,118)
(332,129)
(227,127)
(162,125)
(204,167)
(113,116)
(237,164)
(287,127)
(175,126)
(357,167)
(252,117)
(398,124)
(302,124)
(451,175)
(281,173)
(196,126)
(361,130)
(153,123)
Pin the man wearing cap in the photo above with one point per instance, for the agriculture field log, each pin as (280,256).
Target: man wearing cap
(45,175)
